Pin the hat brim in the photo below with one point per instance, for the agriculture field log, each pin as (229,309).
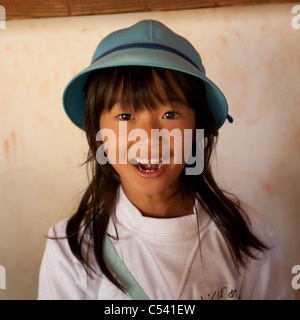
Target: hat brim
(74,97)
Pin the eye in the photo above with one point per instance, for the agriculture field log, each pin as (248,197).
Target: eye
(125,116)
(170,115)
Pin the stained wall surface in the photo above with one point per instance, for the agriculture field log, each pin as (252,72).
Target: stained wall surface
(252,53)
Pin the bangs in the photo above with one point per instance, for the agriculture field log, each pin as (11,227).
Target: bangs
(138,88)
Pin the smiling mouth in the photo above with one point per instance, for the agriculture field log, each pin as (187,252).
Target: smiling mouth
(144,165)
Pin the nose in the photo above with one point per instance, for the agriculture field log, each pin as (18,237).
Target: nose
(148,123)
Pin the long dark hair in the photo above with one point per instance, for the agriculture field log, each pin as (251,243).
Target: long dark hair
(139,90)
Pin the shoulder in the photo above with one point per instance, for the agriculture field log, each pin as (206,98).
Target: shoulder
(62,276)
(57,242)
(257,224)
(59,229)
(258,282)
(264,232)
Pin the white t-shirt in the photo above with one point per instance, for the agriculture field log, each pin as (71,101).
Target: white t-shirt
(164,257)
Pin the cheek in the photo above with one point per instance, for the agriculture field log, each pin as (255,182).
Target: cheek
(182,142)
(177,147)
(118,169)
(122,150)
(115,147)
(182,147)
(116,151)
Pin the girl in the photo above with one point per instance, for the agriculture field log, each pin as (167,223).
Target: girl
(145,229)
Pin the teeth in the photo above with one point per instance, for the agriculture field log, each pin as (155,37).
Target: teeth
(135,161)
(159,166)
(139,162)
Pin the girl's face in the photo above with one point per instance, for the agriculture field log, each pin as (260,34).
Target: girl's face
(147,164)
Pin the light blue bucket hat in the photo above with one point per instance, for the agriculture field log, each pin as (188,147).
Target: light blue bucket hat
(146,43)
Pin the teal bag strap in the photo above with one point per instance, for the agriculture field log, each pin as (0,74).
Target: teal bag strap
(121,271)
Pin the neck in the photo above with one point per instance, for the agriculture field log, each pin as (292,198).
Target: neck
(164,205)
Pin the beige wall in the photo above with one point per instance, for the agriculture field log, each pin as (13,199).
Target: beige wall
(252,53)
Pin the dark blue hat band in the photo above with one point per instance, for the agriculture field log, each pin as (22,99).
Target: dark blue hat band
(148,46)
